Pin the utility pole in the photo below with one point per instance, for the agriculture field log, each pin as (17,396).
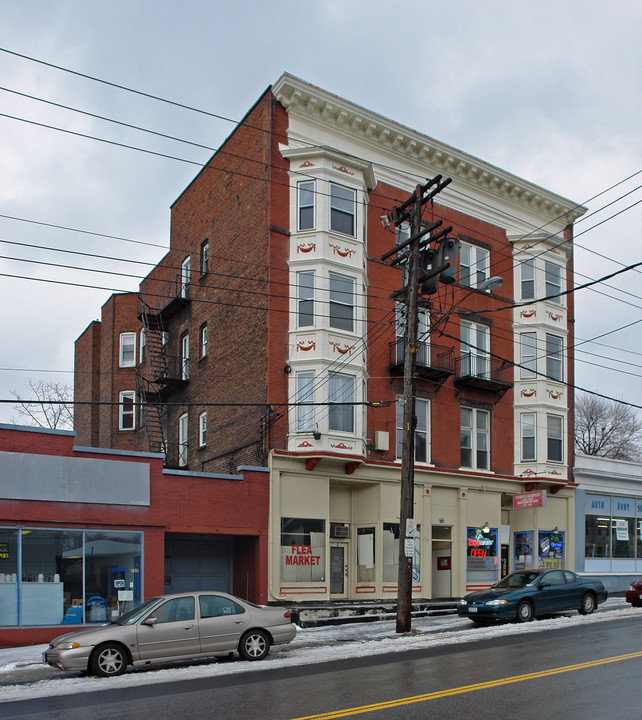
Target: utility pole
(411,210)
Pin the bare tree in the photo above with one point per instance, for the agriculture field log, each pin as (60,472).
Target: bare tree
(607,428)
(52,407)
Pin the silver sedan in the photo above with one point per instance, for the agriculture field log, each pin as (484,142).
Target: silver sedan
(170,628)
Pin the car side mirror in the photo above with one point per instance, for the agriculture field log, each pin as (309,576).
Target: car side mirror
(544,585)
(150,621)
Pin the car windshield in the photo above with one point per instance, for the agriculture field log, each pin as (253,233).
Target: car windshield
(517,580)
(133,615)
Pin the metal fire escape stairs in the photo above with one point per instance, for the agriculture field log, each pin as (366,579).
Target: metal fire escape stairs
(165,374)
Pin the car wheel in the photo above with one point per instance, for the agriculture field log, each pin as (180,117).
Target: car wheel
(588,604)
(254,645)
(108,660)
(524,612)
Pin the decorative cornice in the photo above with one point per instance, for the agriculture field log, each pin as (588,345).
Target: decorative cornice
(406,147)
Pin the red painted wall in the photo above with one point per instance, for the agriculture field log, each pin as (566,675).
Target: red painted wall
(179,503)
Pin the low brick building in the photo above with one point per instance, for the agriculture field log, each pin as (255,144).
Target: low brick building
(86,531)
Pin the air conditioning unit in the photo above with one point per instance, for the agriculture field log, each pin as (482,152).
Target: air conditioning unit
(340,531)
(382,440)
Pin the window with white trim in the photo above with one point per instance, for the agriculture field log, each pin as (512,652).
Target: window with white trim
(475,438)
(341,399)
(475,356)
(204,340)
(205,257)
(182,440)
(474,264)
(304,398)
(422,416)
(127,351)
(305,298)
(185,357)
(423,335)
(554,438)
(305,203)
(127,410)
(186,272)
(527,355)
(202,429)
(554,351)
(342,209)
(528,432)
(527,269)
(341,302)
(553,275)
(142,341)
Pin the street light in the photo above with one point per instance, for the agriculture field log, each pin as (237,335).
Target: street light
(491,283)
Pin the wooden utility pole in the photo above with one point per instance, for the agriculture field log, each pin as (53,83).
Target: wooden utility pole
(409,253)
(404,591)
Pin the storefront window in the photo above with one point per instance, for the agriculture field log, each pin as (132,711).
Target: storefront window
(524,556)
(482,561)
(623,537)
(302,550)
(639,537)
(391,553)
(112,573)
(366,554)
(597,543)
(550,546)
(64,575)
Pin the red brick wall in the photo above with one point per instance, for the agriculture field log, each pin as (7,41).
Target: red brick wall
(446,400)
(87,385)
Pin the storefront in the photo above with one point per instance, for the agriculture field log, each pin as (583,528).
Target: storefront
(87,533)
(338,535)
(609,520)
(50,576)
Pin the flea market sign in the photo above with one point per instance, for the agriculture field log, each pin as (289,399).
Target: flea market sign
(522,501)
(302,555)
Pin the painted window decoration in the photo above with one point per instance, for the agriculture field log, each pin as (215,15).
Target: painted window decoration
(482,555)
(390,559)
(550,549)
(524,555)
(302,550)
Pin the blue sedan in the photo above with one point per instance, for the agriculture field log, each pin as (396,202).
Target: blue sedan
(525,595)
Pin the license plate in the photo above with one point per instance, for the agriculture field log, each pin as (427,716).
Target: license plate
(472,609)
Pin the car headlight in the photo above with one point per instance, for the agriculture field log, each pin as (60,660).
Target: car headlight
(499,601)
(67,646)
(463,601)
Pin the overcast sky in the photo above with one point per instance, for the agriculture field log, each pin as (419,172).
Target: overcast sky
(549,91)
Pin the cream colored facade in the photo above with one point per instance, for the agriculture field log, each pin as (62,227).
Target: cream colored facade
(361,566)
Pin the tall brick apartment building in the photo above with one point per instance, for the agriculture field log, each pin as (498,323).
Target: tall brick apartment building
(267,336)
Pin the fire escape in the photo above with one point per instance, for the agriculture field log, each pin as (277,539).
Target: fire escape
(164,374)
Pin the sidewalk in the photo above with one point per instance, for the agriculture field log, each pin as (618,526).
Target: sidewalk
(22,668)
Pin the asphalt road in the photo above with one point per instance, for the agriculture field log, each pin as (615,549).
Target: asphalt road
(581,672)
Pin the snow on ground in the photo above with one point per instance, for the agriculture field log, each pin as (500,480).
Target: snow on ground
(311,645)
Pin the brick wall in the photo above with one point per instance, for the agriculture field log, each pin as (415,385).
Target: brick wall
(87,385)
